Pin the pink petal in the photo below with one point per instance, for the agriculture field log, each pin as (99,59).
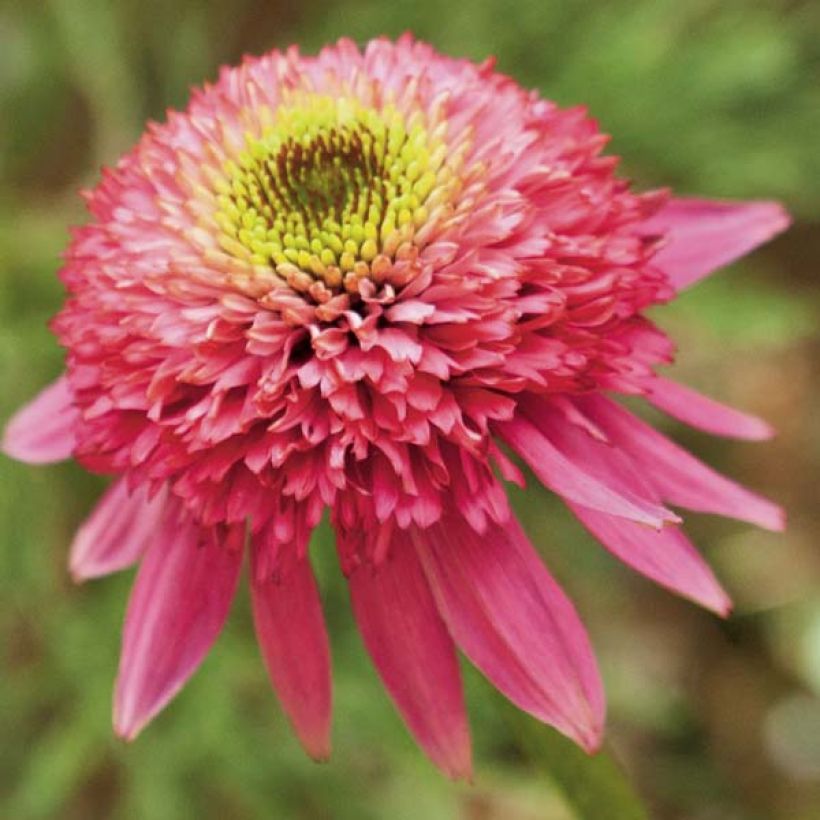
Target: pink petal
(677,475)
(178,605)
(413,653)
(666,556)
(512,620)
(43,431)
(410,311)
(696,410)
(116,533)
(703,235)
(290,628)
(565,477)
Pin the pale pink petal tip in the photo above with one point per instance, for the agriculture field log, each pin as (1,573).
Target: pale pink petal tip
(178,606)
(706,414)
(704,235)
(290,629)
(42,432)
(117,532)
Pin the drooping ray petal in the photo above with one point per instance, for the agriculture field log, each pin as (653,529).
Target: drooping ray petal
(179,603)
(571,481)
(699,411)
(703,235)
(290,628)
(44,430)
(513,621)
(678,476)
(117,532)
(666,556)
(413,653)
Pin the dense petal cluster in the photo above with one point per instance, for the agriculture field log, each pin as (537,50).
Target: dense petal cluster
(342,282)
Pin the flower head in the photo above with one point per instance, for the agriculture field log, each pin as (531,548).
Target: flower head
(342,282)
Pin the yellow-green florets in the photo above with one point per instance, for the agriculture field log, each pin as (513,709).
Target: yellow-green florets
(331,190)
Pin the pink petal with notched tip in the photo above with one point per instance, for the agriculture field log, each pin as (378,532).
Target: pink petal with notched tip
(178,606)
(703,235)
(513,621)
(573,483)
(413,653)
(706,414)
(43,431)
(676,474)
(117,532)
(290,629)
(666,557)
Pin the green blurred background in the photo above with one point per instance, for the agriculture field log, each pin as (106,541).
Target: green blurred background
(709,720)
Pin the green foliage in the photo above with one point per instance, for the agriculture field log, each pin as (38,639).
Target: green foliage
(595,787)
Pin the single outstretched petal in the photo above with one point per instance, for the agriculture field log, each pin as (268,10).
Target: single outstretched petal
(677,475)
(413,653)
(703,235)
(290,628)
(179,603)
(513,621)
(573,482)
(117,532)
(699,411)
(43,431)
(666,556)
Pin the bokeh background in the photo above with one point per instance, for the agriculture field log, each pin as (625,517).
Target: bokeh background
(709,720)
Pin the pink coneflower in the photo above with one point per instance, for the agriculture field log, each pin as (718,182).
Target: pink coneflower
(343,282)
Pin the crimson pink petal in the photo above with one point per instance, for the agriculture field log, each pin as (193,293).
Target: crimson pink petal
(116,533)
(513,621)
(677,475)
(43,431)
(178,605)
(703,235)
(699,411)
(290,628)
(666,556)
(571,482)
(413,653)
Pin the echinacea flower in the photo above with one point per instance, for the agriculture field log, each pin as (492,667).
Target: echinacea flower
(355,282)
